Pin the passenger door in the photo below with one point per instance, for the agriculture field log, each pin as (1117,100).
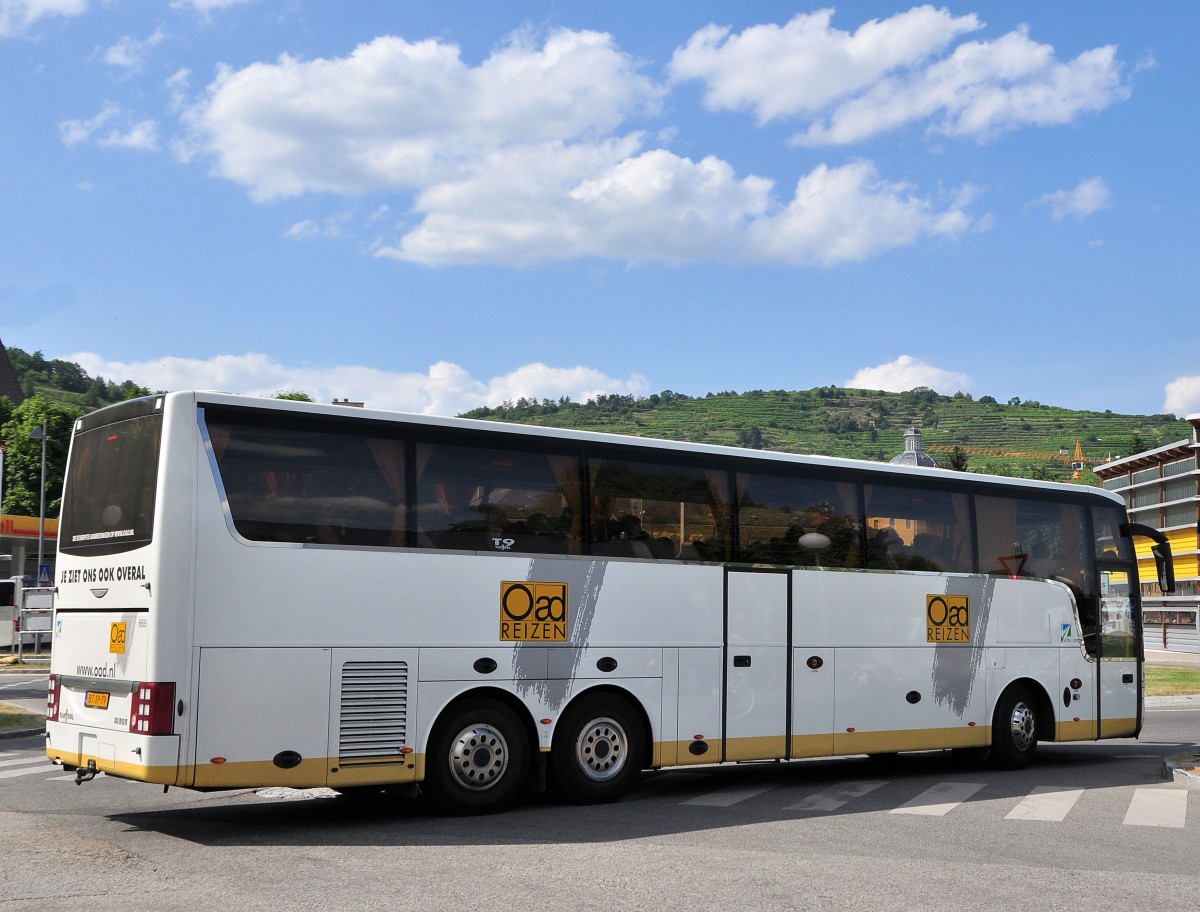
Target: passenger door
(1119,684)
(757,609)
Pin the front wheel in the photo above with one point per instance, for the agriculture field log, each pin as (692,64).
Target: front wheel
(1015,728)
(478,759)
(597,749)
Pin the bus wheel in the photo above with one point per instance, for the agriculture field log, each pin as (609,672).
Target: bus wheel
(1014,729)
(478,759)
(597,750)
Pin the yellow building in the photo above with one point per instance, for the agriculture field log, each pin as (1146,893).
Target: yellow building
(1161,489)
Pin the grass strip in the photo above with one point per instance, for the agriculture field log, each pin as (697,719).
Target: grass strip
(1171,682)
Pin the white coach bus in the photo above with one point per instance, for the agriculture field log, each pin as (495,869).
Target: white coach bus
(254,592)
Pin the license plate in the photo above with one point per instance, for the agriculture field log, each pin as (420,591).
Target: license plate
(97,699)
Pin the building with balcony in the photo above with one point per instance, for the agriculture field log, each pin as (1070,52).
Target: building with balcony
(1161,488)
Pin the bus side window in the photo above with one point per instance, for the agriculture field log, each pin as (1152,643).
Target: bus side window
(659,511)
(918,528)
(796,521)
(476,495)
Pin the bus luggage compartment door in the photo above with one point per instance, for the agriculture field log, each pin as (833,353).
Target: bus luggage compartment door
(263,717)
(756,674)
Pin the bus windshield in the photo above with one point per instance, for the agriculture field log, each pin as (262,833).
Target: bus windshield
(108,505)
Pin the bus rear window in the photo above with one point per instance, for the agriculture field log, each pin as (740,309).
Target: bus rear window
(108,499)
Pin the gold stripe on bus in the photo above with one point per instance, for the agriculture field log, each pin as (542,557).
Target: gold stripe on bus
(770,747)
(1118,728)
(679,753)
(411,770)
(812,746)
(886,742)
(1083,730)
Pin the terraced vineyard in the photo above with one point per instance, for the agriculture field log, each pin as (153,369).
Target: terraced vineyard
(1014,438)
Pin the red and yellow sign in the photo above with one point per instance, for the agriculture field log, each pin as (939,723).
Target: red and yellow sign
(26,526)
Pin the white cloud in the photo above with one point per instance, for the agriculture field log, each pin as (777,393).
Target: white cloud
(399,115)
(18,15)
(142,135)
(76,132)
(805,66)
(129,53)
(891,73)
(207,6)
(446,389)
(1086,198)
(1183,396)
(906,373)
(554,202)
(846,214)
(521,160)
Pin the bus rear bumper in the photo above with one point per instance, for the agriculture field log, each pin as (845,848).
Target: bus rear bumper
(128,756)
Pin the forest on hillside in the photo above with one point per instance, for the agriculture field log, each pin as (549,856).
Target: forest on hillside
(1018,437)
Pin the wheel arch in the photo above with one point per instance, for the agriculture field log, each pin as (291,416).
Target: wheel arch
(1042,703)
(507,698)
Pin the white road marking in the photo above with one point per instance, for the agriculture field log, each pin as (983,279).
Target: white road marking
(728,797)
(1046,802)
(939,800)
(833,798)
(1158,807)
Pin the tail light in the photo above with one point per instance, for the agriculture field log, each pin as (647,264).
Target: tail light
(53,692)
(152,711)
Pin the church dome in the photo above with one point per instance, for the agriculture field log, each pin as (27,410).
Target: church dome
(913,455)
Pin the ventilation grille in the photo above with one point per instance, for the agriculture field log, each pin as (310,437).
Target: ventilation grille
(374,711)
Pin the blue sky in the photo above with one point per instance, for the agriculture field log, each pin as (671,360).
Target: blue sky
(433,206)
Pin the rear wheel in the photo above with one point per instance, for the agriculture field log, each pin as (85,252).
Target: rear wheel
(478,759)
(597,749)
(1015,729)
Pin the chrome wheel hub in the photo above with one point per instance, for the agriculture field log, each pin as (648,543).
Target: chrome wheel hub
(1023,726)
(478,757)
(602,749)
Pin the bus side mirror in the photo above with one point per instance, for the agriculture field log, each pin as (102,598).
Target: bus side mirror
(1164,562)
(1165,566)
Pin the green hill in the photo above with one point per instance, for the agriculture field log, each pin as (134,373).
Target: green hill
(1014,438)
(67,382)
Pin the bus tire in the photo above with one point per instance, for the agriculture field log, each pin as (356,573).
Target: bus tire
(597,749)
(478,759)
(1015,727)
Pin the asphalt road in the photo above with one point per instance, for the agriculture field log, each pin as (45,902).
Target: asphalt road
(1090,826)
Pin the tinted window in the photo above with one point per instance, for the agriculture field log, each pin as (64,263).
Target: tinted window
(1033,538)
(1110,544)
(914,528)
(108,501)
(485,497)
(802,522)
(659,510)
(309,485)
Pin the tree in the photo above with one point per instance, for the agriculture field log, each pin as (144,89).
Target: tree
(23,456)
(294,395)
(957,460)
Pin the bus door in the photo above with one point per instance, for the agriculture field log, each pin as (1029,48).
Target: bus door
(1119,647)
(757,604)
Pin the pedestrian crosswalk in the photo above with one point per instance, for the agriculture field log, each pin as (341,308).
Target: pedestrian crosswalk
(1145,806)
(1148,806)
(14,764)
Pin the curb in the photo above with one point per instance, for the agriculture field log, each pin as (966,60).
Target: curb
(1184,769)
(21,733)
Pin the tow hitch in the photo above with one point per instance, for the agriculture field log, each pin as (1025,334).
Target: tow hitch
(86,774)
